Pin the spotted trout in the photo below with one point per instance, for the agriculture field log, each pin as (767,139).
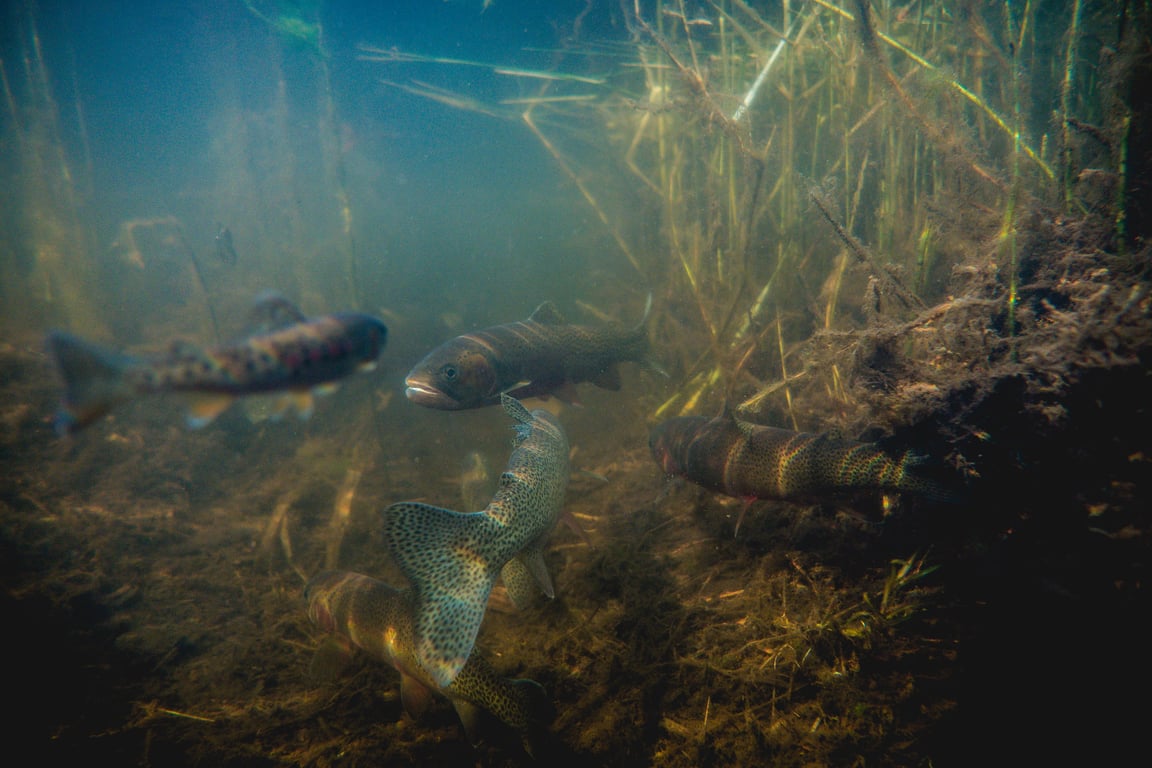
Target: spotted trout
(291,356)
(537,357)
(751,461)
(369,614)
(452,559)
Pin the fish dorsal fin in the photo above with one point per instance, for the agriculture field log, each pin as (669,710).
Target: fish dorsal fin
(515,409)
(272,310)
(182,349)
(547,314)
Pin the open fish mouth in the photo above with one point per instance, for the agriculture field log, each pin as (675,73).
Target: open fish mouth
(422,394)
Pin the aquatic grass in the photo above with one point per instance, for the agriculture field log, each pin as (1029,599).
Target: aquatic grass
(796,191)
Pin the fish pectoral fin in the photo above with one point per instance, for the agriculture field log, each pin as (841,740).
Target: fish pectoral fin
(609,378)
(301,401)
(330,660)
(204,408)
(415,696)
(326,389)
(566,393)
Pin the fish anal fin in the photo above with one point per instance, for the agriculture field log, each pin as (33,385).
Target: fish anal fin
(415,696)
(547,314)
(203,408)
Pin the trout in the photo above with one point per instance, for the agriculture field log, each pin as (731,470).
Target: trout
(751,461)
(452,559)
(291,356)
(368,614)
(537,357)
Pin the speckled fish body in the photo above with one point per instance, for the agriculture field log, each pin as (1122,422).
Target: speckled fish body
(375,617)
(536,357)
(294,358)
(452,559)
(748,461)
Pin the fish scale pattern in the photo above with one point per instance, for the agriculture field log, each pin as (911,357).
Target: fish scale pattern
(452,559)
(377,618)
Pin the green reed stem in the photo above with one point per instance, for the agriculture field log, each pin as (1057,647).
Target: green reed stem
(1065,105)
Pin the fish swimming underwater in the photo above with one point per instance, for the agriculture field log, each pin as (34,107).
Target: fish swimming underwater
(452,559)
(292,356)
(751,461)
(536,357)
(225,250)
(375,617)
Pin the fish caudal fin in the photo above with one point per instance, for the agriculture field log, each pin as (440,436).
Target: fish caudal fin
(451,560)
(94,380)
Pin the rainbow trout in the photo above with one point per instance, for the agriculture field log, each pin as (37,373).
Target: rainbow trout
(536,357)
(751,461)
(291,355)
(368,614)
(452,559)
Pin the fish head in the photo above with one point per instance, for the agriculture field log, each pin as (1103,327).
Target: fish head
(670,440)
(451,378)
(317,592)
(367,336)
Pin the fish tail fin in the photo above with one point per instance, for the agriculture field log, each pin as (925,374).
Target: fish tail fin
(528,709)
(536,701)
(452,560)
(927,480)
(541,713)
(94,380)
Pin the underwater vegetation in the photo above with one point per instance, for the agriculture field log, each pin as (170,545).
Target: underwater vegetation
(888,250)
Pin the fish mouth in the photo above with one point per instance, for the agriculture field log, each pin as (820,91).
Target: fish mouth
(429,397)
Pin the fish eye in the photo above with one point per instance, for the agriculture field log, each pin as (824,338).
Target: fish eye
(449,372)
